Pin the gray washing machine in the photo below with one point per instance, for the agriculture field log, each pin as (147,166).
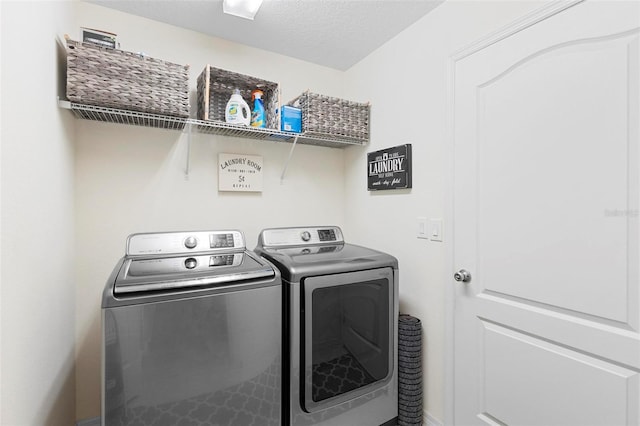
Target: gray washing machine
(191,333)
(340,328)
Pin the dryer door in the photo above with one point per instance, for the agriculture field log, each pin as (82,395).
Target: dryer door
(348,336)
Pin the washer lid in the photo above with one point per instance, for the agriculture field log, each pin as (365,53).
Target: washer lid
(141,274)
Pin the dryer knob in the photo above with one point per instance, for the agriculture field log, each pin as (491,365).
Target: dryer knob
(190,242)
(305,235)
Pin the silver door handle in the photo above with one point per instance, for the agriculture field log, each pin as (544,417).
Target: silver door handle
(462,276)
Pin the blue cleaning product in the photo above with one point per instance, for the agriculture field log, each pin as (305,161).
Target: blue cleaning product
(258,118)
(291,119)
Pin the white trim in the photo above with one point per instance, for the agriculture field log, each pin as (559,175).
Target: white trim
(429,420)
(526,21)
(94,421)
(516,26)
(1,351)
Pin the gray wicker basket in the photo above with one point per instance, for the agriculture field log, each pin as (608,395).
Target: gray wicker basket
(215,87)
(114,78)
(327,116)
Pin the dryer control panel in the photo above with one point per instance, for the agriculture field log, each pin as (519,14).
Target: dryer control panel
(167,243)
(279,237)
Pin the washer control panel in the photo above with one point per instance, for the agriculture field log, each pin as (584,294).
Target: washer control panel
(172,265)
(184,242)
(279,237)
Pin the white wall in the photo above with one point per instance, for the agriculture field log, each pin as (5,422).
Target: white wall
(406,81)
(131,179)
(38,284)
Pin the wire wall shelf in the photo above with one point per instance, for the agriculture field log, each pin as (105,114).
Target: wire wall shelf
(120,116)
(112,115)
(235,130)
(329,141)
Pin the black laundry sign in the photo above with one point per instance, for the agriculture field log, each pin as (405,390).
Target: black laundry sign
(389,168)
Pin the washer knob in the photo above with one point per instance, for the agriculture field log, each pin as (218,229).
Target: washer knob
(305,235)
(190,242)
(190,263)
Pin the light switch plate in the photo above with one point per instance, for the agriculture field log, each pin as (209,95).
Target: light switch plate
(435,229)
(422,228)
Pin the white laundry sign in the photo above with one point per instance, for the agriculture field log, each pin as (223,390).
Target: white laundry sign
(239,172)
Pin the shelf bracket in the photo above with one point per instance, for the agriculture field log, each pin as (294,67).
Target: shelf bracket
(186,168)
(286,164)
(63,104)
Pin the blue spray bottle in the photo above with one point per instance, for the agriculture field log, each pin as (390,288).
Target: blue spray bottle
(258,118)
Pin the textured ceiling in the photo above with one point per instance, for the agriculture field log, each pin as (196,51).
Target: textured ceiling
(333,33)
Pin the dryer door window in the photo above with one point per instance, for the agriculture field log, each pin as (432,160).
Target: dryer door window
(348,340)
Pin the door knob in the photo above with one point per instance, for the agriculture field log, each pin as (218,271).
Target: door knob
(462,276)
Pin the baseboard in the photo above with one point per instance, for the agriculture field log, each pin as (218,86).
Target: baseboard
(94,421)
(429,420)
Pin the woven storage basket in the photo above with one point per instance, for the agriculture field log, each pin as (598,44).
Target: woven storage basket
(327,116)
(124,80)
(215,87)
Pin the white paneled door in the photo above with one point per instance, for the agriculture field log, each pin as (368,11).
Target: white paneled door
(546,212)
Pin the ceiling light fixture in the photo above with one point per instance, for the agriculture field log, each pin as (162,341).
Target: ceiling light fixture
(246,9)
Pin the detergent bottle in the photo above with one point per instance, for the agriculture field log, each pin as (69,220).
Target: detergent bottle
(237,110)
(258,118)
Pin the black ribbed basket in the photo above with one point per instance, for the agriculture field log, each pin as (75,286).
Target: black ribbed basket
(409,371)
